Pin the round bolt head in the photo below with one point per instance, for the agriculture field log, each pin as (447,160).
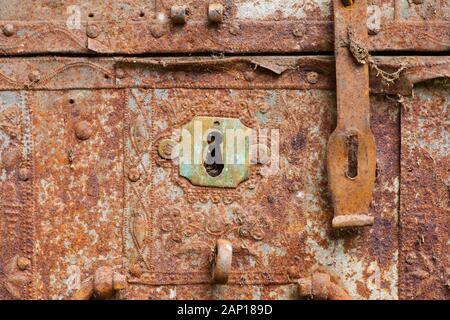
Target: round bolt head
(134,175)
(312,77)
(178,14)
(215,13)
(8,30)
(83,130)
(24,174)
(23,263)
(92,31)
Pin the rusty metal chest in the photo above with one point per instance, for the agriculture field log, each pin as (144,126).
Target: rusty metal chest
(224,149)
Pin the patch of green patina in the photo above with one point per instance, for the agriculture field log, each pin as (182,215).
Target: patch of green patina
(234,150)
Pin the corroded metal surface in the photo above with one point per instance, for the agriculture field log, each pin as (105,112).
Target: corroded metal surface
(310,72)
(138,26)
(84,186)
(424,232)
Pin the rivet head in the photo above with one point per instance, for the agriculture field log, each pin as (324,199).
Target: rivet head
(249,75)
(10,158)
(348,3)
(179,14)
(24,174)
(8,30)
(264,108)
(215,13)
(299,32)
(23,263)
(157,30)
(120,73)
(166,149)
(235,28)
(119,281)
(136,270)
(293,272)
(92,31)
(373,30)
(263,154)
(134,175)
(34,76)
(312,77)
(83,130)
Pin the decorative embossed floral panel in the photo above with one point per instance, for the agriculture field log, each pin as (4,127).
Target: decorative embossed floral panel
(277,220)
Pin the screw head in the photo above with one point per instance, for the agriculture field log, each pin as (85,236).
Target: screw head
(23,263)
(24,174)
(215,13)
(312,77)
(8,30)
(134,175)
(83,130)
(92,31)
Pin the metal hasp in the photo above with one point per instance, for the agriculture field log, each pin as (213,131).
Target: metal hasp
(351,160)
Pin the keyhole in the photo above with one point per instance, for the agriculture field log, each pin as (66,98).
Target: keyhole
(352,156)
(214,160)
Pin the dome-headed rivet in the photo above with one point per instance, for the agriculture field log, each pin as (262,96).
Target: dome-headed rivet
(215,13)
(179,14)
(34,76)
(24,174)
(8,30)
(83,130)
(23,263)
(92,31)
(312,77)
(134,175)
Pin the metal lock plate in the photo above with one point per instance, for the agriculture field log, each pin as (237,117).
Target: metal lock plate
(215,152)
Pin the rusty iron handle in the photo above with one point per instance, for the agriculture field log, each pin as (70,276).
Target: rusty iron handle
(222,261)
(102,285)
(351,147)
(320,287)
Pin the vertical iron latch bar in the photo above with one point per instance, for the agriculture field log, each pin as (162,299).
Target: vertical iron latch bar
(351,159)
